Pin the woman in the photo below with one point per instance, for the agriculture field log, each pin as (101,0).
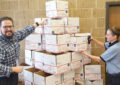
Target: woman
(111,56)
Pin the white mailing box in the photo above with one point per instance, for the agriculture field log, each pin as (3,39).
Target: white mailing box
(33,42)
(77,60)
(72,25)
(92,72)
(54,26)
(56,9)
(29,57)
(56,43)
(42,78)
(29,75)
(57,64)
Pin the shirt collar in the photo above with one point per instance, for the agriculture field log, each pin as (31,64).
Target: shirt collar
(111,44)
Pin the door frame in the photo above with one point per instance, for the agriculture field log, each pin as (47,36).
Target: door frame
(108,5)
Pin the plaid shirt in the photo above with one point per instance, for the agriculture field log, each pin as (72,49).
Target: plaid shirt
(10,50)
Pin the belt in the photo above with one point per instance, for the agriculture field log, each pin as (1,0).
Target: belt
(112,75)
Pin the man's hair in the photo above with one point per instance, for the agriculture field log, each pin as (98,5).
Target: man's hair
(5,18)
(115,31)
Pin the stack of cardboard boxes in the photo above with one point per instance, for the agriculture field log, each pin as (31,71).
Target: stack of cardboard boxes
(53,49)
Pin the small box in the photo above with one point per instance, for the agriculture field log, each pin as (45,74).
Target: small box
(80,76)
(57,9)
(39,60)
(72,25)
(33,42)
(42,78)
(79,41)
(77,60)
(21,75)
(68,78)
(54,26)
(56,43)
(29,57)
(29,76)
(95,82)
(92,72)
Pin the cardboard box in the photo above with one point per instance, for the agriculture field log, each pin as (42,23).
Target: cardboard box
(56,43)
(92,72)
(54,26)
(68,78)
(56,9)
(29,57)
(79,41)
(33,42)
(40,28)
(39,60)
(42,78)
(96,82)
(52,63)
(72,25)
(80,76)
(29,76)
(57,64)
(77,60)
(21,75)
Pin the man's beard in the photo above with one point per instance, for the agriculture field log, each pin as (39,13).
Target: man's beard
(8,37)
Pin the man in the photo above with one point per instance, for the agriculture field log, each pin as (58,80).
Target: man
(111,56)
(10,50)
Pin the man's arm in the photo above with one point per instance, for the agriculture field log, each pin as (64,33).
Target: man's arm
(22,34)
(6,70)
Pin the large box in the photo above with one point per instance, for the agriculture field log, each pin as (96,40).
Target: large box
(33,42)
(68,78)
(40,28)
(77,60)
(57,64)
(29,76)
(96,82)
(21,75)
(72,25)
(42,78)
(39,60)
(92,72)
(29,57)
(56,43)
(80,76)
(57,9)
(52,63)
(79,41)
(54,26)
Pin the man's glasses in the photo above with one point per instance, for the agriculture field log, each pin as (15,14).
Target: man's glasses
(6,27)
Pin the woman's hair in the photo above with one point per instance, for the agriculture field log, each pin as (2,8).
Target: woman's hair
(115,31)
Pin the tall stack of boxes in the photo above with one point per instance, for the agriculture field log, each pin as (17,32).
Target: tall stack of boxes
(53,49)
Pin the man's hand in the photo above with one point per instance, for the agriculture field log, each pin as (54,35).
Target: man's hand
(43,21)
(40,23)
(17,69)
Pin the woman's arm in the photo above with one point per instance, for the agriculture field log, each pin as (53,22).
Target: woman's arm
(99,43)
(95,58)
